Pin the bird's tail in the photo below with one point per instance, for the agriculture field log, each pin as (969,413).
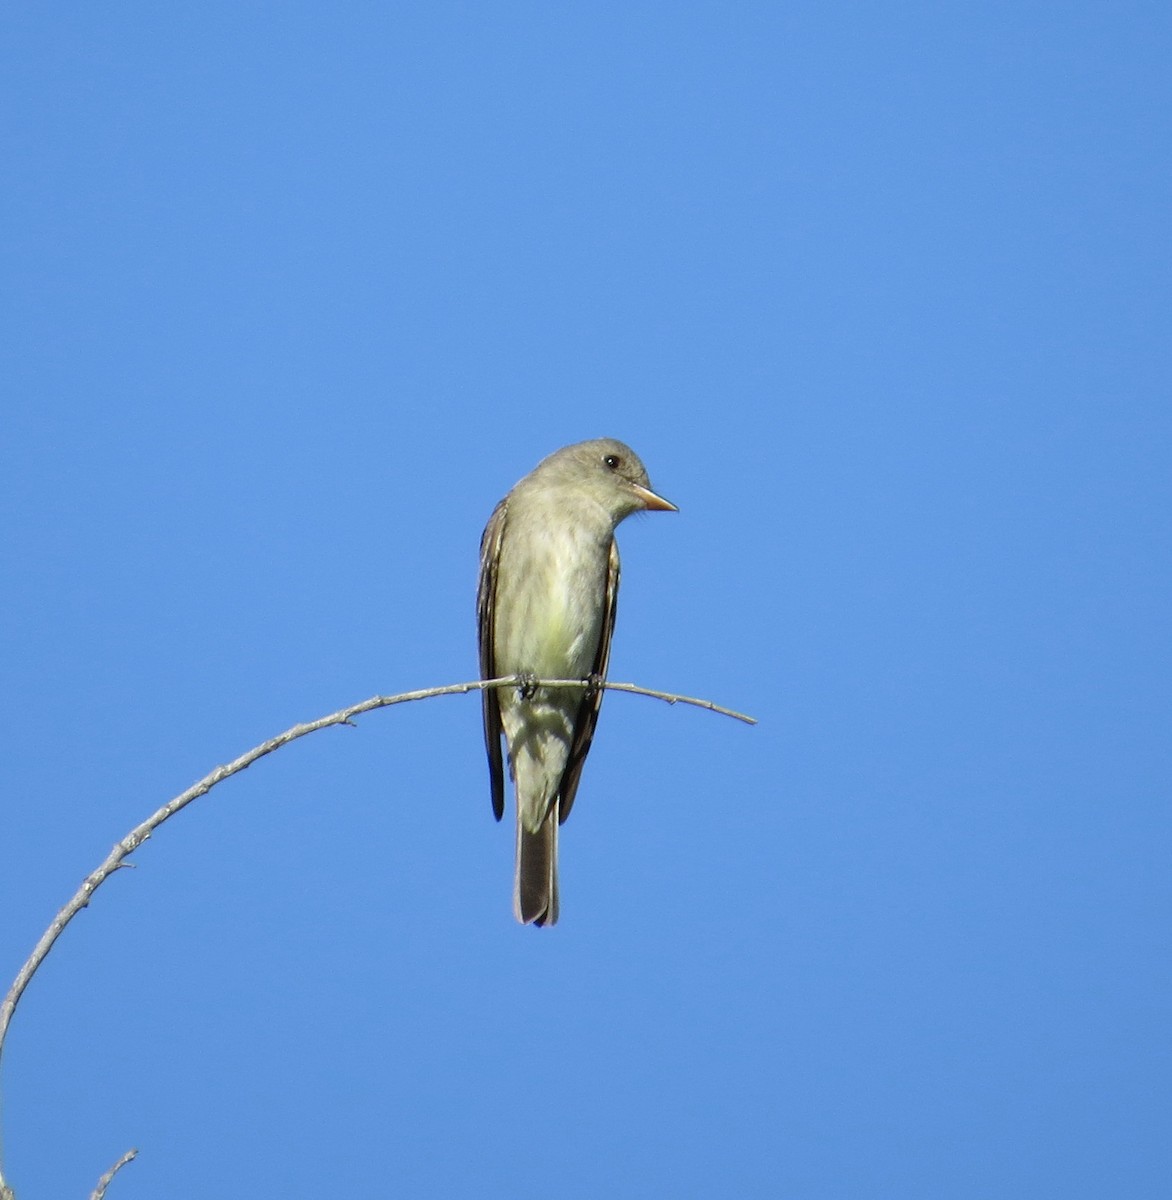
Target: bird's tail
(535,890)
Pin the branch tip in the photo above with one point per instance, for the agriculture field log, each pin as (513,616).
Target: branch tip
(100,1191)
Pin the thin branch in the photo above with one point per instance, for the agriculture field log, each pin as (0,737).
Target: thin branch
(670,697)
(344,716)
(100,1191)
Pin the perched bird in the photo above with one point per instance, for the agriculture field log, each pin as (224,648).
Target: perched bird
(549,581)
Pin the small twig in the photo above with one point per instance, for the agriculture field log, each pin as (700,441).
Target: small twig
(104,1182)
(670,697)
(344,716)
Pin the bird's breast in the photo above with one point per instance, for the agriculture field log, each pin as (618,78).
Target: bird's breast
(551,593)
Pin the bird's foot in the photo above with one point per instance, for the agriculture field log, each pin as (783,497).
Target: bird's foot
(526,685)
(594,683)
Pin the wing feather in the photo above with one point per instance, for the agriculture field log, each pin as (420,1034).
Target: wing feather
(587,718)
(490,554)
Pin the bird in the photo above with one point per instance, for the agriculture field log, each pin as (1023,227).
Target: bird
(546,598)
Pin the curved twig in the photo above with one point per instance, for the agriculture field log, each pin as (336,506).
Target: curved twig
(344,716)
(100,1191)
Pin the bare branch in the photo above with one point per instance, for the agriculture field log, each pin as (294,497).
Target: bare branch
(344,716)
(670,697)
(100,1191)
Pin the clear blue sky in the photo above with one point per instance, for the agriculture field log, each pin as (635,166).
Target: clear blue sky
(880,293)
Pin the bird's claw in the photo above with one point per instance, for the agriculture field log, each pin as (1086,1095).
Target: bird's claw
(526,685)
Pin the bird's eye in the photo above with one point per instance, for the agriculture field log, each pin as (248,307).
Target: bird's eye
(612,461)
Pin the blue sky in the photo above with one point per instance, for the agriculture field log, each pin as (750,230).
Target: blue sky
(880,293)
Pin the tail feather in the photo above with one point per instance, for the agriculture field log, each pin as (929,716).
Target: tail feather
(535,891)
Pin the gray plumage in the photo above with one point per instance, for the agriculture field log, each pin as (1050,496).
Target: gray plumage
(549,581)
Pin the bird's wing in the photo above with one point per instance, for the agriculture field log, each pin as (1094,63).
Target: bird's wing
(587,717)
(490,555)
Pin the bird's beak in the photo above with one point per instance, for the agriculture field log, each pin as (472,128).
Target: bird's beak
(650,501)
